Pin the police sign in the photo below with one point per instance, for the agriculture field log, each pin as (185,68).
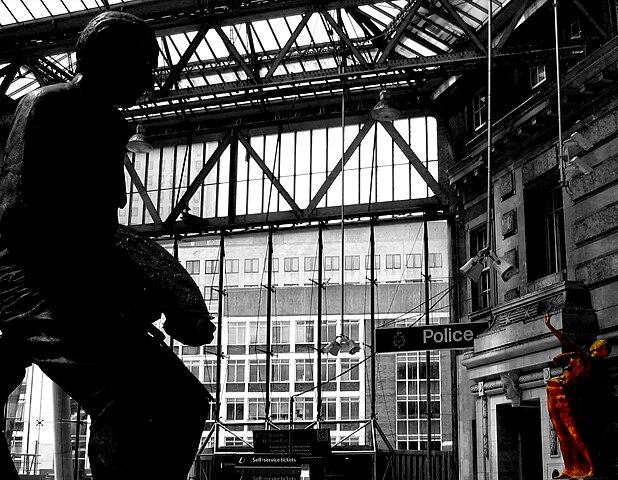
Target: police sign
(428,337)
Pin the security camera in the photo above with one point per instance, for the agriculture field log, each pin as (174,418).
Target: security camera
(581,141)
(504,268)
(582,165)
(473,268)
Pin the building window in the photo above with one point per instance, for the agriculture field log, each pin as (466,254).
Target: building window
(349,370)
(281,332)
(351,329)
(303,408)
(350,408)
(193,267)
(304,331)
(235,409)
(237,332)
(211,294)
(236,371)
(191,350)
(211,266)
(575,29)
(329,369)
(311,264)
(280,409)
(275,265)
(435,260)
(352,262)
(304,370)
(290,264)
(546,253)
(329,408)
(413,260)
(280,370)
(393,261)
(329,331)
(257,371)
(257,332)
(331,263)
(538,75)
(210,371)
(231,265)
(252,265)
(368,262)
(479,110)
(193,366)
(257,409)
(480,290)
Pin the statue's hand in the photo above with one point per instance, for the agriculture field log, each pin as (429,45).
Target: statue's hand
(195,331)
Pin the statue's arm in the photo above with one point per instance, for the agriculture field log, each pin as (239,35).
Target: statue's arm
(564,340)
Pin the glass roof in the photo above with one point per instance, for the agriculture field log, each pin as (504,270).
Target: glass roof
(217,59)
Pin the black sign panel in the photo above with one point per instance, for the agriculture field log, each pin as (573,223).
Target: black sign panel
(301,442)
(428,337)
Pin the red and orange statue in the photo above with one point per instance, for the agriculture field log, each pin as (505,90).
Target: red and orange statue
(573,400)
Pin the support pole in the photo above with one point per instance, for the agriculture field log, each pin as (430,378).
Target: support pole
(269,287)
(372,282)
(428,352)
(318,415)
(219,335)
(63,467)
(558,95)
(342,209)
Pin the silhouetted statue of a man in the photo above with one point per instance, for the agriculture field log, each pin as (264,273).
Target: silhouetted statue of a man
(575,400)
(78,293)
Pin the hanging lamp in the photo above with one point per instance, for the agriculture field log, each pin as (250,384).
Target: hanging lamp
(139,143)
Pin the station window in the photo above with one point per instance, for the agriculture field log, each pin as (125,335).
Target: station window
(211,266)
(393,261)
(376,262)
(290,264)
(479,110)
(352,262)
(331,263)
(231,265)
(193,267)
(252,265)
(538,75)
(235,409)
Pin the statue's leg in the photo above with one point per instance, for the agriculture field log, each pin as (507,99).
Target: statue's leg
(148,410)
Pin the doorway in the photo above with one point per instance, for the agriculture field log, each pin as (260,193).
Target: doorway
(520,454)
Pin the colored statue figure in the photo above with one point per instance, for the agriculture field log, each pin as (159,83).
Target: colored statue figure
(79,292)
(575,402)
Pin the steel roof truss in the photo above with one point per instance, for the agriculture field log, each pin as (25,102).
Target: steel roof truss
(345,38)
(182,63)
(590,18)
(416,163)
(513,23)
(403,24)
(236,54)
(462,24)
(183,203)
(288,45)
(275,181)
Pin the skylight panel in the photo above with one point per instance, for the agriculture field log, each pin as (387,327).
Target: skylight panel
(216,44)
(37,9)
(18,12)
(55,7)
(6,17)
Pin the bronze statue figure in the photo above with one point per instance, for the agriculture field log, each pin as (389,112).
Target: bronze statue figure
(78,293)
(575,402)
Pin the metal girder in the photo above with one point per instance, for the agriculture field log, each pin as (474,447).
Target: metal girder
(345,38)
(506,33)
(182,63)
(141,190)
(462,24)
(274,180)
(9,73)
(183,203)
(431,182)
(286,48)
(236,54)
(196,225)
(337,169)
(403,23)
(51,35)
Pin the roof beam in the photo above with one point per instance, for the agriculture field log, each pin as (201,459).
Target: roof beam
(513,23)
(345,38)
(183,203)
(337,169)
(431,182)
(403,24)
(462,24)
(141,190)
(236,54)
(590,19)
(274,180)
(286,48)
(182,63)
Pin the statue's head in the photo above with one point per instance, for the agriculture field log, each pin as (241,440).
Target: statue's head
(600,348)
(118,52)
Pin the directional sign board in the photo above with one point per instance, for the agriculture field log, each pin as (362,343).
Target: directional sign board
(449,336)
